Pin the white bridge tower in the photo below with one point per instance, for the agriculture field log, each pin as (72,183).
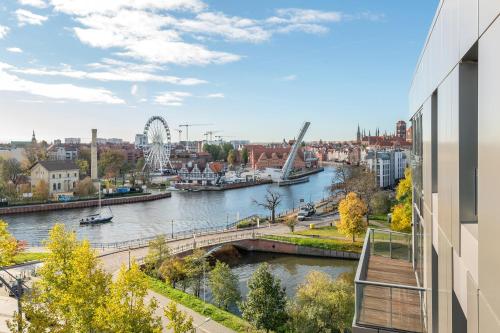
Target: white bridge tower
(288,166)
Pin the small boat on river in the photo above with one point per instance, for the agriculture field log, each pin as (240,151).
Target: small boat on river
(98,218)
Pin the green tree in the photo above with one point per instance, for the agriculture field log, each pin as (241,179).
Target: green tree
(291,222)
(9,246)
(125,309)
(173,270)
(380,203)
(265,306)
(214,150)
(111,162)
(351,211)
(226,148)
(244,155)
(84,166)
(158,252)
(224,285)
(322,305)
(196,267)
(178,321)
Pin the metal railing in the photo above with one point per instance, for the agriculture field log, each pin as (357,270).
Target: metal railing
(390,306)
(172,236)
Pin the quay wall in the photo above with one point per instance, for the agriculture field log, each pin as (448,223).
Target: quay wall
(82,204)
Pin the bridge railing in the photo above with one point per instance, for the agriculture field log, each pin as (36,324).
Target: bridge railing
(177,235)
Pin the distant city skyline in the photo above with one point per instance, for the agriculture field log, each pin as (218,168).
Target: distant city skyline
(256,70)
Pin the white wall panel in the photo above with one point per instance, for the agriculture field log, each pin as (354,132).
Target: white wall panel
(488,11)
(468,25)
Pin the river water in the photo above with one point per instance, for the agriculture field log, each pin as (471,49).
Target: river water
(188,210)
(291,270)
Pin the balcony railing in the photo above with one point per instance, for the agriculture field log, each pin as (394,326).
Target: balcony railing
(387,295)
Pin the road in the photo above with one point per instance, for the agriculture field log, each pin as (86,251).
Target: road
(112,260)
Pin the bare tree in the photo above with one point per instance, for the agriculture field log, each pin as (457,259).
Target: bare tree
(271,201)
(11,170)
(342,182)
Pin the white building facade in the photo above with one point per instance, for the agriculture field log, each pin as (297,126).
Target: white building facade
(60,176)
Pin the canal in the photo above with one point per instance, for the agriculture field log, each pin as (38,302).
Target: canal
(291,270)
(188,210)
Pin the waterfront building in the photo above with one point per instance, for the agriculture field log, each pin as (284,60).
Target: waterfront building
(450,280)
(261,157)
(209,175)
(60,176)
(388,165)
(72,141)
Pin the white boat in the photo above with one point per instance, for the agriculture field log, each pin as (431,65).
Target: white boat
(98,218)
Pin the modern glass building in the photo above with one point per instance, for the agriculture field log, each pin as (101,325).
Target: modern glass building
(446,278)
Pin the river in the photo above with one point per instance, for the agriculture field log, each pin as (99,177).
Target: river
(188,210)
(291,270)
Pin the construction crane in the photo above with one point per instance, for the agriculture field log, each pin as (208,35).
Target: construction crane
(180,133)
(187,131)
(210,133)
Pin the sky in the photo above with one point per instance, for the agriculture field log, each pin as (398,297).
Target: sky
(252,70)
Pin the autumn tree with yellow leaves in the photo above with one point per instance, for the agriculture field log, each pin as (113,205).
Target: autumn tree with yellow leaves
(401,212)
(352,209)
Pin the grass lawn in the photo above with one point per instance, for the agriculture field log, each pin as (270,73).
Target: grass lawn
(321,232)
(29,256)
(321,243)
(223,317)
(380,217)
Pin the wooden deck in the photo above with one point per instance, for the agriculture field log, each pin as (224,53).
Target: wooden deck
(394,308)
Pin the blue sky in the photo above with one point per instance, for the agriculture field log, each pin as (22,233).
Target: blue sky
(254,69)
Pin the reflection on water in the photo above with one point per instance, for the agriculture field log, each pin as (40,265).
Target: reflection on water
(290,269)
(188,210)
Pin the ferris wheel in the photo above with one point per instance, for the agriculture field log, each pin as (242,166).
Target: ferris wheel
(157,147)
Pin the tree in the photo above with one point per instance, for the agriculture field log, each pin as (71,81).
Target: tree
(9,246)
(226,148)
(196,266)
(244,155)
(231,157)
(85,187)
(380,203)
(265,306)
(342,180)
(401,212)
(322,305)
(71,287)
(139,165)
(291,222)
(158,252)
(271,201)
(365,185)
(125,309)
(111,162)
(173,270)
(214,150)
(351,210)
(11,170)
(224,285)
(41,190)
(84,166)
(178,321)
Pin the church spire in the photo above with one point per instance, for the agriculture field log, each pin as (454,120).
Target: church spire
(33,138)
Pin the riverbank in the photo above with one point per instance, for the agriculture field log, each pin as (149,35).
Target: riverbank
(223,187)
(82,203)
(306,173)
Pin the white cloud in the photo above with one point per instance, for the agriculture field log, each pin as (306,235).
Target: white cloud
(291,77)
(172,98)
(26,17)
(60,92)
(3,31)
(134,89)
(33,3)
(215,95)
(299,15)
(14,50)
(118,72)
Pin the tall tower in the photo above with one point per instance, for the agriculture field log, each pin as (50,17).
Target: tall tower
(358,135)
(401,129)
(33,138)
(93,156)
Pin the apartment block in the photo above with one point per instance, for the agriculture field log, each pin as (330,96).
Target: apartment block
(446,278)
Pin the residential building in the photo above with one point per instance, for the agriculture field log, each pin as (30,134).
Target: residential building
(448,280)
(60,176)
(140,140)
(209,175)
(388,165)
(72,141)
(62,153)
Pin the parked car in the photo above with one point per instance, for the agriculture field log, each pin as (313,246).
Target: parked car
(306,211)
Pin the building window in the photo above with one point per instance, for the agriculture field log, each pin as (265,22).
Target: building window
(59,175)
(54,186)
(53,176)
(58,186)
